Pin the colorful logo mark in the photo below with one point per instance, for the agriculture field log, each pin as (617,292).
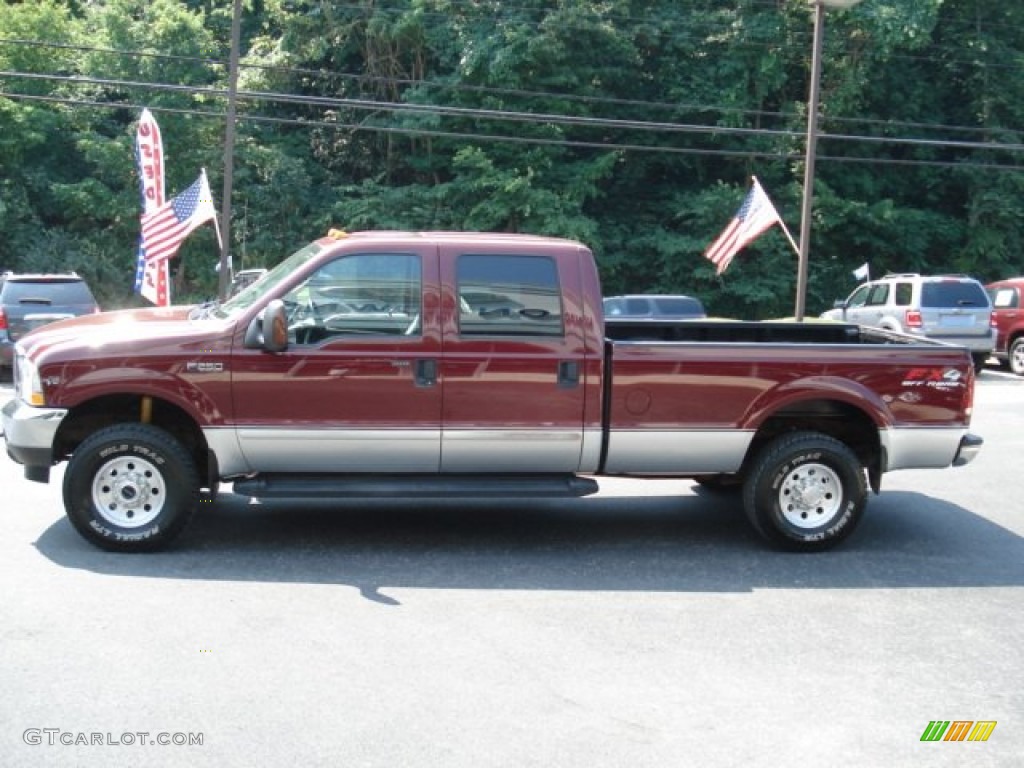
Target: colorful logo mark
(958,730)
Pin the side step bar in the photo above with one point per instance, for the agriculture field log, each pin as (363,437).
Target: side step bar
(281,486)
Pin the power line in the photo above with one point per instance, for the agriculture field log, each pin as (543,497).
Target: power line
(605,146)
(515,116)
(572,98)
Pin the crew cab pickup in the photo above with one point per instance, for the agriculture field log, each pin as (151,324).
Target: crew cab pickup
(419,364)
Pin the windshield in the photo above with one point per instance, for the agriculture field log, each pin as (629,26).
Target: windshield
(267,284)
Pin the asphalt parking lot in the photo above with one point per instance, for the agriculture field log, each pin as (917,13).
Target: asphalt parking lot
(646,626)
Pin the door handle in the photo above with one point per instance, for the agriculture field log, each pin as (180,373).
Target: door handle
(568,374)
(425,373)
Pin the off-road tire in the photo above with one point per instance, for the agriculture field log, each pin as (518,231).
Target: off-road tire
(130,488)
(805,492)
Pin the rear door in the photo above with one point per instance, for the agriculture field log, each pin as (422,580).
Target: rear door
(513,365)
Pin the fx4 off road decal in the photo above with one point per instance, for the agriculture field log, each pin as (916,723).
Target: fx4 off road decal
(934,378)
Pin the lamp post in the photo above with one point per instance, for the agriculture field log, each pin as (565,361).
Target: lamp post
(812,143)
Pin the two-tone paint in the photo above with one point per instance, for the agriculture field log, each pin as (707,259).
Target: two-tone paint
(440,402)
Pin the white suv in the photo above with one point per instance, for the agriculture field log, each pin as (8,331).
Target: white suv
(951,308)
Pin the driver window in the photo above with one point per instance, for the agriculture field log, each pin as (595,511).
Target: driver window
(362,294)
(858,297)
(879,295)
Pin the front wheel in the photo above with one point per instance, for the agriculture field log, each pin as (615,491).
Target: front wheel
(130,488)
(806,492)
(1016,356)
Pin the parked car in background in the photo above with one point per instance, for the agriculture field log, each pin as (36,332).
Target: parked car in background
(654,306)
(950,308)
(1008,316)
(29,301)
(244,278)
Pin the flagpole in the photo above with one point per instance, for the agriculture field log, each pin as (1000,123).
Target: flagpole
(792,242)
(785,229)
(216,225)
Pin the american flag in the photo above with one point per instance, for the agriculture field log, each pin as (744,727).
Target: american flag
(164,230)
(756,215)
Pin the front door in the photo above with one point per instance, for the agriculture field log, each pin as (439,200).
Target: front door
(357,389)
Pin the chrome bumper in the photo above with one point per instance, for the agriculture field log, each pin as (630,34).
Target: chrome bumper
(29,433)
(969,447)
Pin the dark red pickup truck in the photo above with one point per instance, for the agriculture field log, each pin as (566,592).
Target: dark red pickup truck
(391,363)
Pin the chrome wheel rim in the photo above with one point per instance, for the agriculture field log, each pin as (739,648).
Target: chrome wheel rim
(810,496)
(129,492)
(1017,359)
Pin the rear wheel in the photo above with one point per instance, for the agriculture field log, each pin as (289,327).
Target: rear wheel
(805,492)
(1016,356)
(130,488)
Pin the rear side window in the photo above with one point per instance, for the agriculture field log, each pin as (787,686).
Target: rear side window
(904,294)
(954,293)
(52,292)
(1004,298)
(508,295)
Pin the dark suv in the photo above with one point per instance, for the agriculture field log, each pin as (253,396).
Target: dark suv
(28,301)
(655,307)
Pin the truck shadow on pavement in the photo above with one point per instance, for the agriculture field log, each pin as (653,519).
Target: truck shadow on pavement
(691,543)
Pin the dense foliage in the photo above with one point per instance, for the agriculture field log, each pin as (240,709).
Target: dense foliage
(633,126)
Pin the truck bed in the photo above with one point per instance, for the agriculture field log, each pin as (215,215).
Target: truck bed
(746,331)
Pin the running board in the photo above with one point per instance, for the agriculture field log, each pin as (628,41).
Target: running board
(281,486)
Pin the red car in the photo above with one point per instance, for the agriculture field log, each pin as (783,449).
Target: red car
(1008,315)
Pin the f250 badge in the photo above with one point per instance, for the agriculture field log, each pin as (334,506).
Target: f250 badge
(203,367)
(934,378)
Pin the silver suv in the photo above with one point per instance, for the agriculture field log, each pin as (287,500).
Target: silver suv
(951,308)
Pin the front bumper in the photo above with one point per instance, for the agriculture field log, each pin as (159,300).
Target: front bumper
(29,432)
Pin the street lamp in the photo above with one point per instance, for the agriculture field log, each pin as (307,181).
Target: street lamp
(812,141)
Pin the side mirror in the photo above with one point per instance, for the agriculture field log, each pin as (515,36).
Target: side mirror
(839,304)
(269,329)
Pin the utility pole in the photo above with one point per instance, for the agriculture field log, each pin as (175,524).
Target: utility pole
(806,206)
(229,153)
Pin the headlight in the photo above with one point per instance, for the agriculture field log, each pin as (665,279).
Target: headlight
(27,384)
